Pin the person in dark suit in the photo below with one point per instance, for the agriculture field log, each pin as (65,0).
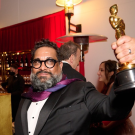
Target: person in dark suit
(14,85)
(55,105)
(70,57)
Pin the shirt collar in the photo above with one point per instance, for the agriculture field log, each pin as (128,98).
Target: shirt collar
(65,61)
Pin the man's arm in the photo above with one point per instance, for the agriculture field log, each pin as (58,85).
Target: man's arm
(107,108)
(115,106)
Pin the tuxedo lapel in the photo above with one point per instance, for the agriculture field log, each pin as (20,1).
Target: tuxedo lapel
(24,109)
(46,110)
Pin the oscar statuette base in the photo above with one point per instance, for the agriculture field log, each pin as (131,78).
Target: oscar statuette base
(125,81)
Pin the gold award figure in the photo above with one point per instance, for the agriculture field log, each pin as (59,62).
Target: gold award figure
(119,26)
(117,23)
(125,80)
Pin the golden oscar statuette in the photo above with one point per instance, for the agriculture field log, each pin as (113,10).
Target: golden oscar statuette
(125,77)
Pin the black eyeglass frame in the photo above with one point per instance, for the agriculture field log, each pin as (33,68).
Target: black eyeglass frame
(55,61)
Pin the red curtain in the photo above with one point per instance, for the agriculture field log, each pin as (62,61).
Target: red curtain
(23,36)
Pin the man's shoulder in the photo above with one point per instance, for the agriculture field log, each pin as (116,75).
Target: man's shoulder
(66,65)
(20,77)
(72,73)
(79,88)
(81,84)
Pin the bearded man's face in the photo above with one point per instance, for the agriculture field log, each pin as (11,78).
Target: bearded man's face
(43,77)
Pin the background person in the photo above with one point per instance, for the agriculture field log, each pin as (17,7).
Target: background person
(70,57)
(106,74)
(14,85)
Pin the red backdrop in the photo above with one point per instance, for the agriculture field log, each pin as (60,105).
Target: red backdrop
(23,36)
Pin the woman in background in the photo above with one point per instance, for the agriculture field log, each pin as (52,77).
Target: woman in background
(106,73)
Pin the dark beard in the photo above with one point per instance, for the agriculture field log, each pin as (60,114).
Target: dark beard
(46,83)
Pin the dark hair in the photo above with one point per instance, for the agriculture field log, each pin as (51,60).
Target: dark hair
(45,43)
(67,49)
(110,65)
(15,66)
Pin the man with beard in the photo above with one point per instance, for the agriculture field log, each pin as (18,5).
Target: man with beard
(56,105)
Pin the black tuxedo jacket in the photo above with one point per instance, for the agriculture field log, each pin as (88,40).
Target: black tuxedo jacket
(72,73)
(15,85)
(71,110)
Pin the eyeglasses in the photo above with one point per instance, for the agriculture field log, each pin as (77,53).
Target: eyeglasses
(49,63)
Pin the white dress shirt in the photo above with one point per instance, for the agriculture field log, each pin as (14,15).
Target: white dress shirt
(33,114)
